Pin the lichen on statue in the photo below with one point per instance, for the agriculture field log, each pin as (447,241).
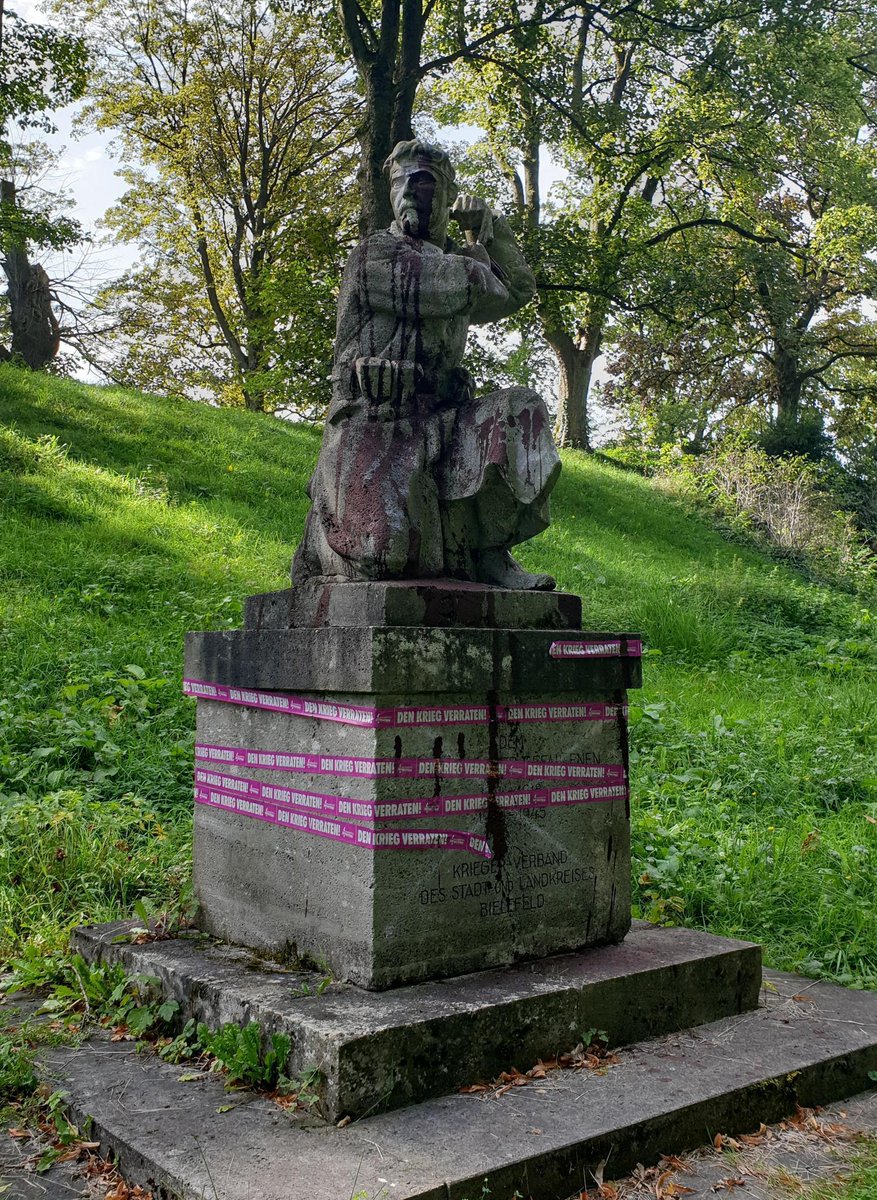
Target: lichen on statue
(417,477)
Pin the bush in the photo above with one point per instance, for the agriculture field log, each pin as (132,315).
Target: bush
(778,503)
(804,438)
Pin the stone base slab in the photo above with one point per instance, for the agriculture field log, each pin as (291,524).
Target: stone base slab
(382,1051)
(810,1044)
(412,602)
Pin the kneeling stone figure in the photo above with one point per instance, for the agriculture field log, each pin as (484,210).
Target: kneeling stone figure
(417,478)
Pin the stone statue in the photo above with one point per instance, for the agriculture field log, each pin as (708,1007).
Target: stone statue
(417,477)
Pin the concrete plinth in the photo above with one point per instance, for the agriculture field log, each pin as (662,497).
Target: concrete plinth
(413,603)
(559,875)
(380,1051)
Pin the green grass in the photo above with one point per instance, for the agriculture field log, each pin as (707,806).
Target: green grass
(859,1181)
(127,520)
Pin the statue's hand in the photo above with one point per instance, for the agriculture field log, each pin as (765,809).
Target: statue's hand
(475,218)
(475,250)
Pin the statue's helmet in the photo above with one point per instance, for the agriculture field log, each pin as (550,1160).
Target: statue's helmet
(407,158)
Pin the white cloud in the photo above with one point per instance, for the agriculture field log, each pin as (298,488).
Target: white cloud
(78,162)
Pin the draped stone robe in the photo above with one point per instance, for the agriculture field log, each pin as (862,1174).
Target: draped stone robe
(416,476)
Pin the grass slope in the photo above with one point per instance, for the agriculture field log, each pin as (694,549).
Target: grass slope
(127,520)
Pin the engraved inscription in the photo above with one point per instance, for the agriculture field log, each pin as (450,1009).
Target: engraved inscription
(536,873)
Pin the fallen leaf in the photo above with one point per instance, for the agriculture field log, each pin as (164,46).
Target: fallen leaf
(662,1180)
(671,1160)
(593,1058)
(873,820)
(70,1154)
(728,1185)
(803,998)
(19,1134)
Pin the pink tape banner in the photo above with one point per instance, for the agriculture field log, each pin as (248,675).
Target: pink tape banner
(294,706)
(347,808)
(405,768)
(401,718)
(345,831)
(611,648)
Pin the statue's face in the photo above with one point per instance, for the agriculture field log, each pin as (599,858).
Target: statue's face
(419,205)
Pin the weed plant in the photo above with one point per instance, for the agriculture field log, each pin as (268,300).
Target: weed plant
(128,520)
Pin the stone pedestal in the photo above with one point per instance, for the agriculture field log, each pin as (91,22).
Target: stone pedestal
(558,873)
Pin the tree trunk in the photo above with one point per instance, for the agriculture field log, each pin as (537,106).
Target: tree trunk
(387,56)
(254,397)
(253,401)
(377,141)
(35,330)
(576,362)
(786,384)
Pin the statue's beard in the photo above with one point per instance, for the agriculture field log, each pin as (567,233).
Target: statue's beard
(409,219)
(423,226)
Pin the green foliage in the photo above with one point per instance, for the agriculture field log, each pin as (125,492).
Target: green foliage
(246,1056)
(801,438)
(305,989)
(858,1181)
(126,522)
(233,123)
(788,505)
(757,726)
(17,1074)
(95,992)
(186,1044)
(741,827)
(715,228)
(763,324)
(42,69)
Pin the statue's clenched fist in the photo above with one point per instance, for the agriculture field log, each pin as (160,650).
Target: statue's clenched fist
(474,217)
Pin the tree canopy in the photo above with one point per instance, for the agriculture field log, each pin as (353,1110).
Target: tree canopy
(234,128)
(710,242)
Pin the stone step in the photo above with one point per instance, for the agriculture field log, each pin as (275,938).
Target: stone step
(809,1043)
(381,1050)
